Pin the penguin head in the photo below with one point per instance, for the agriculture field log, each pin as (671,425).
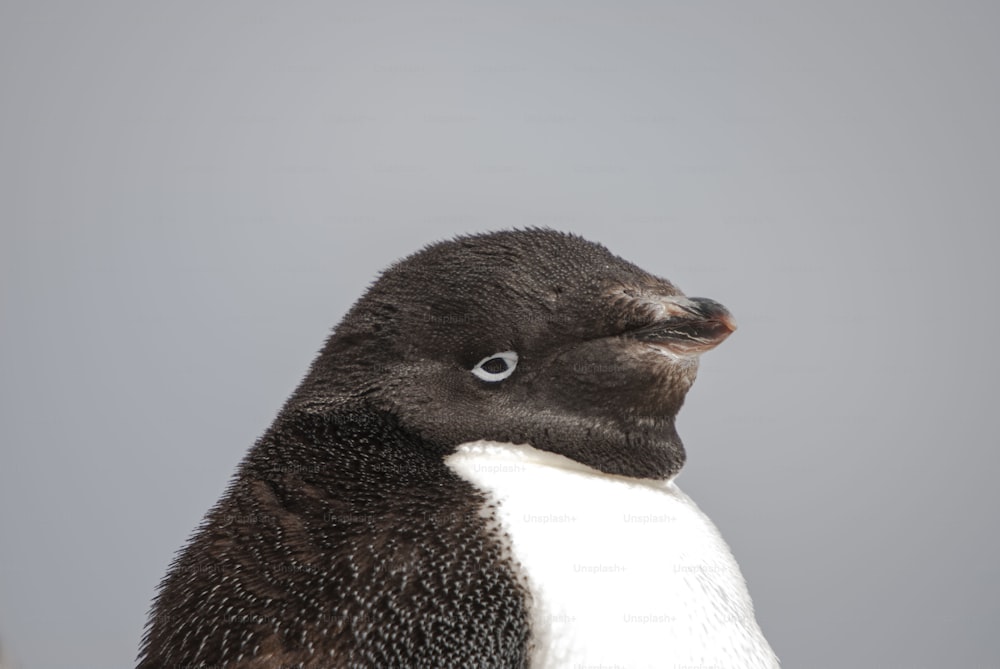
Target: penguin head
(526,336)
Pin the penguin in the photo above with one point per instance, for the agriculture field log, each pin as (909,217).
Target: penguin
(476,471)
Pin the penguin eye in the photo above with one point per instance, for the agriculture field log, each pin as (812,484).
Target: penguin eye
(496,367)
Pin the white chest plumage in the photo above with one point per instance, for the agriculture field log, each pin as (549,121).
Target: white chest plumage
(623,572)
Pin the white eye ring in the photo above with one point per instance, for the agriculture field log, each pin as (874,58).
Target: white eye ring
(509,358)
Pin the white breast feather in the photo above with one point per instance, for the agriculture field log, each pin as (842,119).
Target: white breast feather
(624,572)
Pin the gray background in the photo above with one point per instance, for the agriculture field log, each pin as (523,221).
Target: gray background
(194,193)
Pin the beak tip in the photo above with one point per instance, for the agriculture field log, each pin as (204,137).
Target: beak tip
(729,322)
(711,310)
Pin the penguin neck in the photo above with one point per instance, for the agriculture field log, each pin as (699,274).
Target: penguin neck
(505,456)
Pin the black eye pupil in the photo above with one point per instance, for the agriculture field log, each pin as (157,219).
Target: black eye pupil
(495,365)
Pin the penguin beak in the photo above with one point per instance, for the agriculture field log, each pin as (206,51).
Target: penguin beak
(683,326)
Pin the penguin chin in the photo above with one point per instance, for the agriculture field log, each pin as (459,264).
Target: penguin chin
(610,443)
(641,449)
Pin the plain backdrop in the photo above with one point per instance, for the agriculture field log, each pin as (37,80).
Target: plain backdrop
(193,193)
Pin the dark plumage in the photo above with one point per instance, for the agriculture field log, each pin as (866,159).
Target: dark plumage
(344,540)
